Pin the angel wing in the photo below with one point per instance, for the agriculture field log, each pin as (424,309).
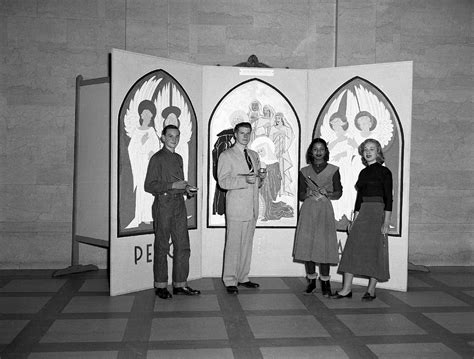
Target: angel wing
(326,131)
(132,117)
(368,101)
(185,128)
(161,102)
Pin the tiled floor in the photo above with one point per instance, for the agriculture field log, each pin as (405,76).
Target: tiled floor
(74,317)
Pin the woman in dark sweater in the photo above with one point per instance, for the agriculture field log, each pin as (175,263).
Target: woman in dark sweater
(366,251)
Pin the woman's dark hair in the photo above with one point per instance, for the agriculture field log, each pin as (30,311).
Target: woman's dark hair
(150,106)
(380,157)
(309,151)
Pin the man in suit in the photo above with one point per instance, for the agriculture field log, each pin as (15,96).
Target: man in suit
(238,173)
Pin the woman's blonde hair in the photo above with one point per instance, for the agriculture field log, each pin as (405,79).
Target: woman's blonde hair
(380,157)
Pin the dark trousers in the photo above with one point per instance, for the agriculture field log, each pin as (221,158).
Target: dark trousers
(170,219)
(311,268)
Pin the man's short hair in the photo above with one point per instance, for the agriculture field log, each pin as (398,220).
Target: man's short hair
(169,127)
(242,124)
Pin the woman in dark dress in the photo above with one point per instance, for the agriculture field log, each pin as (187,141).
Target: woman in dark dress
(316,240)
(366,251)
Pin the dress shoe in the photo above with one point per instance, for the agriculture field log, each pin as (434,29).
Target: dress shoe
(185,291)
(232,289)
(163,293)
(339,296)
(249,284)
(368,298)
(311,286)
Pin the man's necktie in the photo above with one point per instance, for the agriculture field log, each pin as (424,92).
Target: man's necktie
(249,161)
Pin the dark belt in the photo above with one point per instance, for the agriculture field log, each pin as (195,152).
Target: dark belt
(174,195)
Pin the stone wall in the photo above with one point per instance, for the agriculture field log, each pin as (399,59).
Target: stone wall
(45,44)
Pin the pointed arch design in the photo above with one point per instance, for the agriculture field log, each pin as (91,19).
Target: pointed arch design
(358,110)
(275,135)
(167,100)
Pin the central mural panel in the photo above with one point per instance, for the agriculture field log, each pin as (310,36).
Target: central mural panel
(275,137)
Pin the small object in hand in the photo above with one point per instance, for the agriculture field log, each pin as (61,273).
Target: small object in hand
(193,189)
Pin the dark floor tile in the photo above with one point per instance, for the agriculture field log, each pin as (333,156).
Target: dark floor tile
(9,329)
(455,279)
(95,285)
(33,285)
(9,305)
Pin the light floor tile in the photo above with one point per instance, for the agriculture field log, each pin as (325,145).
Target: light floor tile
(455,280)
(286,326)
(187,329)
(459,323)
(413,351)
(429,299)
(75,355)
(9,329)
(85,330)
(203,302)
(102,304)
(380,324)
(22,304)
(95,285)
(202,284)
(33,285)
(323,352)
(285,301)
(218,353)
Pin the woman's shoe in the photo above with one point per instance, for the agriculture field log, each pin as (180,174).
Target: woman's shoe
(311,287)
(339,296)
(368,298)
(326,288)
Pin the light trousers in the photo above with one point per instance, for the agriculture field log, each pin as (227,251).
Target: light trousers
(238,251)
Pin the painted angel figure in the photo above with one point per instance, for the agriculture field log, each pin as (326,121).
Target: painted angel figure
(175,111)
(282,136)
(354,115)
(144,142)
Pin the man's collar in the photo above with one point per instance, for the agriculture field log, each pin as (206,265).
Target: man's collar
(240,147)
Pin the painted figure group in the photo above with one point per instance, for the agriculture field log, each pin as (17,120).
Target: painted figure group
(240,173)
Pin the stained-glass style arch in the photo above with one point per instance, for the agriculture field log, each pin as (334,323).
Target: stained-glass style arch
(358,110)
(275,136)
(139,138)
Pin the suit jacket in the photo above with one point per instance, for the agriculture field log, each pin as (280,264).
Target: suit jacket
(241,198)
